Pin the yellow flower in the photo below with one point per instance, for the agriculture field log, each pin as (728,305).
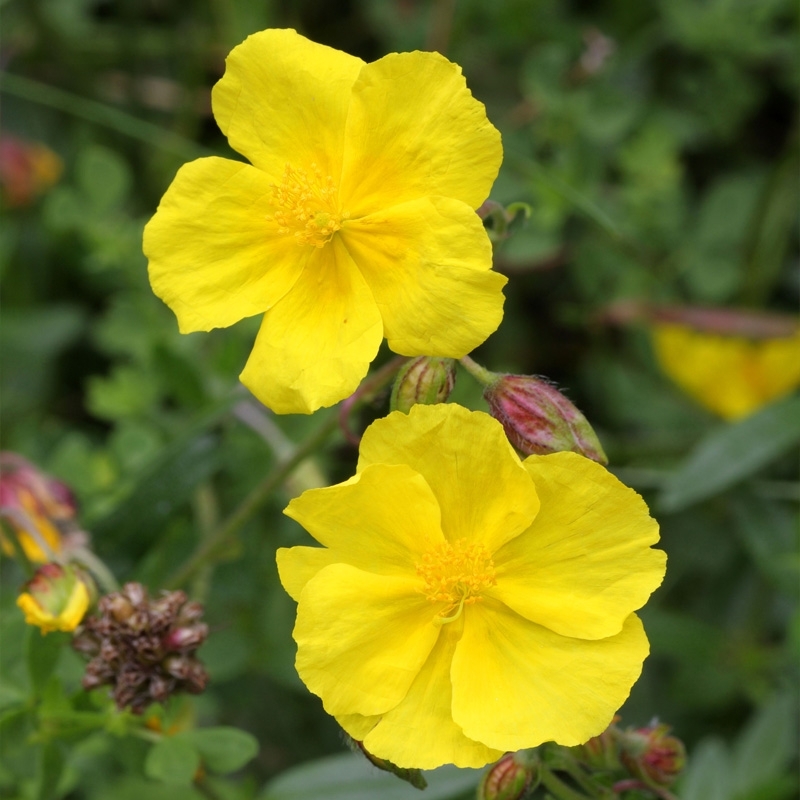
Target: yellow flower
(355,221)
(466,603)
(56,599)
(731,375)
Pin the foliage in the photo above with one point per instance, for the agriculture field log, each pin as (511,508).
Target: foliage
(656,145)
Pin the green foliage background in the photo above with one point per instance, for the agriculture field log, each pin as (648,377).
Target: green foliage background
(667,174)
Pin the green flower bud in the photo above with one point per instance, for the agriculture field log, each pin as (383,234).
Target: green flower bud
(538,419)
(425,380)
(511,778)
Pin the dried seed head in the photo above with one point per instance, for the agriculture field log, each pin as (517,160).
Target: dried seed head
(143,649)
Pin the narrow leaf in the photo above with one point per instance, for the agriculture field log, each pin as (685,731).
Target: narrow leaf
(352,777)
(732,453)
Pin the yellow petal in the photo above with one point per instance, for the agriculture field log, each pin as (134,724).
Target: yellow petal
(284,99)
(357,725)
(315,345)
(361,638)
(586,562)
(69,618)
(516,684)
(428,265)
(298,565)
(420,732)
(382,520)
(212,260)
(484,492)
(415,130)
(729,375)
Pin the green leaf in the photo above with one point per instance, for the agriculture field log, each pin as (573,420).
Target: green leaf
(42,654)
(139,518)
(103,176)
(733,453)
(173,760)
(51,765)
(766,746)
(708,775)
(352,777)
(224,749)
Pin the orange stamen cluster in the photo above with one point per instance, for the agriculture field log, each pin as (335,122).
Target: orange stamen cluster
(306,206)
(456,573)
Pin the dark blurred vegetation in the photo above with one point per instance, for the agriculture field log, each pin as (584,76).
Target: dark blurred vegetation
(657,145)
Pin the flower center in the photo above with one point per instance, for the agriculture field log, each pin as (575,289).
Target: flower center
(306,206)
(456,574)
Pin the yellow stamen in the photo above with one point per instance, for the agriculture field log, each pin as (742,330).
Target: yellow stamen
(306,206)
(457,574)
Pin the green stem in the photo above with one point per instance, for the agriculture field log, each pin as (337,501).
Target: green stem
(19,552)
(209,549)
(105,577)
(557,787)
(587,206)
(100,114)
(481,374)
(441,25)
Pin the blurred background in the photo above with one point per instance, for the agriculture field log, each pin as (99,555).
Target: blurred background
(657,146)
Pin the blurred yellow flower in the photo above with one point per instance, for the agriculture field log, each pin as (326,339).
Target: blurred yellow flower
(55,599)
(35,506)
(355,221)
(729,374)
(466,603)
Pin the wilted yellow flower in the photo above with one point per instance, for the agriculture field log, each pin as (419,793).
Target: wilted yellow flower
(731,375)
(55,599)
(355,221)
(466,603)
(35,506)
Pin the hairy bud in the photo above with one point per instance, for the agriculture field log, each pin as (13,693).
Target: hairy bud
(653,755)
(511,778)
(537,418)
(425,380)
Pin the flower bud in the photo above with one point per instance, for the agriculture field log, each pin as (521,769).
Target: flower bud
(652,755)
(55,598)
(537,418)
(601,752)
(186,638)
(511,778)
(425,380)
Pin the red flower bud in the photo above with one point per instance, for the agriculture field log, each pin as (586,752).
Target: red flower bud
(652,755)
(186,638)
(537,418)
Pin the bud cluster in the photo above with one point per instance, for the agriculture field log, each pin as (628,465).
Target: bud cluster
(144,649)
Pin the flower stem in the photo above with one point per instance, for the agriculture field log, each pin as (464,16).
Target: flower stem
(210,548)
(481,374)
(20,554)
(100,114)
(105,577)
(557,787)
(366,392)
